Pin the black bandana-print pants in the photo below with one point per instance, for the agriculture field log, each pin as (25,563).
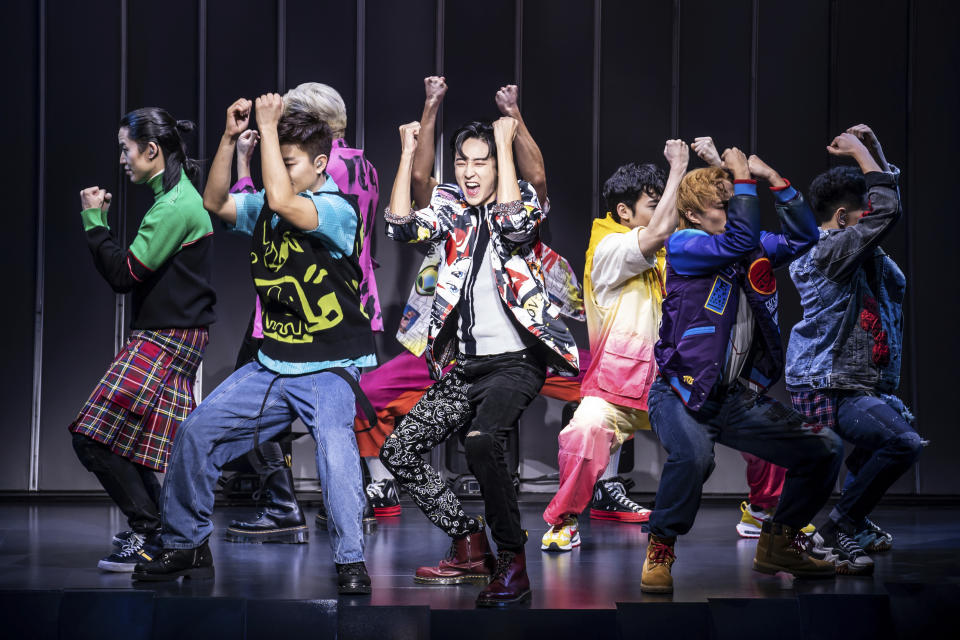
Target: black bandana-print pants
(485,396)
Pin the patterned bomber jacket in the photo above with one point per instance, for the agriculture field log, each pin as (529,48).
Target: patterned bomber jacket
(514,229)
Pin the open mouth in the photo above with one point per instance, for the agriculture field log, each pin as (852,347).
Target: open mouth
(472,189)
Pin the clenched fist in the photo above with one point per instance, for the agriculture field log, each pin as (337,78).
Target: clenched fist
(435,87)
(246,143)
(506,100)
(707,151)
(677,154)
(505,128)
(409,134)
(95,198)
(735,162)
(269,108)
(238,118)
(846,144)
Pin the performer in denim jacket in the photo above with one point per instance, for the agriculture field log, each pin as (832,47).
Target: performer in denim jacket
(844,355)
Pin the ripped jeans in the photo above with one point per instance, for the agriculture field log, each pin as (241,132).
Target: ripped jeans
(480,400)
(746,421)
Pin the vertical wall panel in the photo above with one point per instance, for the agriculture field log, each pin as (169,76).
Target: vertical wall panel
(930,209)
(400,42)
(20,30)
(636,83)
(328,55)
(161,76)
(560,118)
(792,117)
(81,149)
(241,51)
(715,43)
(478,60)
(872,89)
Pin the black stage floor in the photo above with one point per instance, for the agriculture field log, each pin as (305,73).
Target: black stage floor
(50,550)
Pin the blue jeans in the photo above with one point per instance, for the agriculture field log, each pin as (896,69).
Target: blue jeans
(886,447)
(221,428)
(746,421)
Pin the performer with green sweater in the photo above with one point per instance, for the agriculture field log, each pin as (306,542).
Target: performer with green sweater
(125,430)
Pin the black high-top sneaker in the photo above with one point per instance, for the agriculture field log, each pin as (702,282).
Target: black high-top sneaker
(369,517)
(124,559)
(281,519)
(170,564)
(384,497)
(611,502)
(872,538)
(836,543)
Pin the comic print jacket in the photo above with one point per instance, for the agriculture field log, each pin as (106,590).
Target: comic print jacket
(517,270)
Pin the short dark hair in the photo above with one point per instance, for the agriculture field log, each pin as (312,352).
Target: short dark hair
(838,187)
(476,129)
(152,124)
(307,131)
(630,181)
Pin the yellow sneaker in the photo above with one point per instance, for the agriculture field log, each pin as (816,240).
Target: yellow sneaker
(751,521)
(562,537)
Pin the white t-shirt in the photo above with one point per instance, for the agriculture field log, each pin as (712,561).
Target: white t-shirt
(616,259)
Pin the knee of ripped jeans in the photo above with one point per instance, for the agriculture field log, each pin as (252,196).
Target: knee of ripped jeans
(479,444)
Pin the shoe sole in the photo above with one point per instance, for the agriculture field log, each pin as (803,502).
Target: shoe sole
(197,573)
(117,567)
(369,525)
(475,579)
(485,602)
(553,546)
(292,535)
(619,516)
(748,530)
(846,569)
(386,512)
(649,589)
(362,590)
(878,547)
(772,569)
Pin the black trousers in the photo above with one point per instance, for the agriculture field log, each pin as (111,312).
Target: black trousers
(480,399)
(133,487)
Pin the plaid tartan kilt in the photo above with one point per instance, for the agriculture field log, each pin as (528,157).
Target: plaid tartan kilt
(146,393)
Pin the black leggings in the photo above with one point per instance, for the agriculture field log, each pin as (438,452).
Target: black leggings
(133,487)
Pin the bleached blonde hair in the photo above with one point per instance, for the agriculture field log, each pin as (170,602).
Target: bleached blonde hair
(319,99)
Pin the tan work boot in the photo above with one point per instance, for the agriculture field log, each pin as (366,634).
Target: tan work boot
(656,576)
(783,548)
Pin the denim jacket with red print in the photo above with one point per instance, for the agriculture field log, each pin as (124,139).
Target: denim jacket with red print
(514,232)
(851,333)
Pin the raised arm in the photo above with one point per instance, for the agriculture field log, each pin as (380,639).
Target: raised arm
(400,195)
(797,223)
(869,139)
(216,194)
(246,144)
(435,88)
(840,253)
(707,151)
(284,201)
(529,158)
(696,252)
(664,219)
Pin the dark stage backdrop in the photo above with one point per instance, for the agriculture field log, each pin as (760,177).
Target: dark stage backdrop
(603,82)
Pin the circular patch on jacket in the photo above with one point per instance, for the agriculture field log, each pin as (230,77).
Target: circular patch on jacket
(426,283)
(761,277)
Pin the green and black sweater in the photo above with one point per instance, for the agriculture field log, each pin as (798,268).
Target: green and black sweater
(168,264)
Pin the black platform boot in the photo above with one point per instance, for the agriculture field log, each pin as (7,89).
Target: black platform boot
(281,519)
(170,564)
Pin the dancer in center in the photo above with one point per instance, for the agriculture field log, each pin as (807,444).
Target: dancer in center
(490,310)
(623,284)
